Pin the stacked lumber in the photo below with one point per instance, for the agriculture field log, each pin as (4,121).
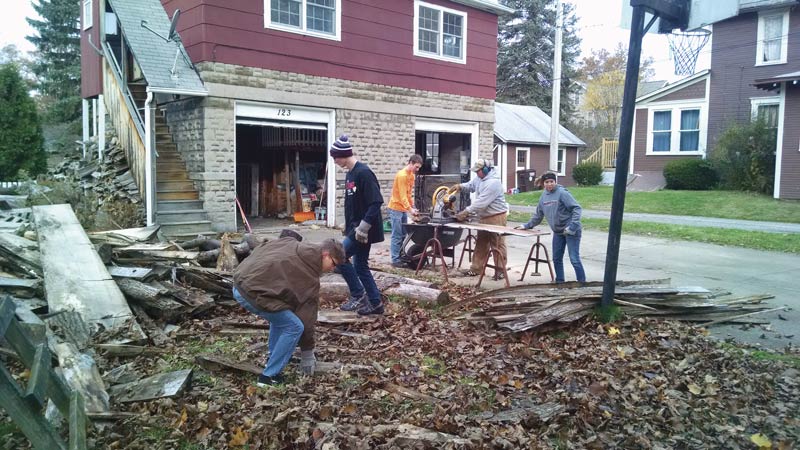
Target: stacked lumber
(528,307)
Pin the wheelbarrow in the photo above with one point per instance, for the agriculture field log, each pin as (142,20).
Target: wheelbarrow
(418,234)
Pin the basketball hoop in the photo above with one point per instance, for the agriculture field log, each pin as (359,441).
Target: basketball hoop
(685,47)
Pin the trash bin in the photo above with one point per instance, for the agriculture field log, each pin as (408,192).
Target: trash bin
(526,179)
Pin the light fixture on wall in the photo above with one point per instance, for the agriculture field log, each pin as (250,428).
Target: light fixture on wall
(449,40)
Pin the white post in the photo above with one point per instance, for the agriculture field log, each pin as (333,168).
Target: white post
(101,129)
(85,108)
(554,116)
(148,159)
(94,117)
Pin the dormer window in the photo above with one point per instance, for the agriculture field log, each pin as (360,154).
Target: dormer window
(440,32)
(319,18)
(773,37)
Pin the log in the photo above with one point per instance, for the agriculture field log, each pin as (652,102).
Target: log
(401,279)
(227,257)
(154,300)
(423,295)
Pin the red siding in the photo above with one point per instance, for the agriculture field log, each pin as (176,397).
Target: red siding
(376,47)
(539,159)
(790,162)
(91,66)
(642,162)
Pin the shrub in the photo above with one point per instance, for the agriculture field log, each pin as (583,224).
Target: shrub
(588,174)
(744,157)
(690,174)
(21,141)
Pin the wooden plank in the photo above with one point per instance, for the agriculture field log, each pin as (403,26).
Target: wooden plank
(33,424)
(21,252)
(70,327)
(19,283)
(31,322)
(162,385)
(37,383)
(7,308)
(334,316)
(77,422)
(137,273)
(90,291)
(505,231)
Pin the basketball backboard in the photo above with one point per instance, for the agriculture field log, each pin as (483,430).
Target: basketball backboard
(701,13)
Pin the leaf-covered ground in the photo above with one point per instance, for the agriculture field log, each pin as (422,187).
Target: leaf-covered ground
(633,384)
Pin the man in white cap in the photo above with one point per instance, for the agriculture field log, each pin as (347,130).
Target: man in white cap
(491,208)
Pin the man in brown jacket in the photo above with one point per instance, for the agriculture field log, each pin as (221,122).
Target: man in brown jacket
(279,282)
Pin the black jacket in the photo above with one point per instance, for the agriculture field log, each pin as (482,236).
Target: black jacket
(362,201)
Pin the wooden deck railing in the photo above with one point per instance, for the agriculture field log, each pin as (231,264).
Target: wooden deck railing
(25,406)
(126,123)
(606,155)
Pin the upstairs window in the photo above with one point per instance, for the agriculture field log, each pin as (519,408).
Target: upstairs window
(319,18)
(773,37)
(87,14)
(440,32)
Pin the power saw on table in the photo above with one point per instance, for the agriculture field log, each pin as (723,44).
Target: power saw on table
(443,205)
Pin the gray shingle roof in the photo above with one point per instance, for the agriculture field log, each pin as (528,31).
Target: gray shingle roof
(528,125)
(155,56)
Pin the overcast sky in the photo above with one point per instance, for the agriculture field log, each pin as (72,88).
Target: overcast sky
(599,27)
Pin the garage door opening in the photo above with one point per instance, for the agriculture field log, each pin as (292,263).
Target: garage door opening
(446,160)
(281,168)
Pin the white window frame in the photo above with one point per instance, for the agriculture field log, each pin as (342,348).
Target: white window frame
(762,16)
(756,102)
(527,151)
(561,161)
(88,19)
(439,55)
(337,36)
(675,127)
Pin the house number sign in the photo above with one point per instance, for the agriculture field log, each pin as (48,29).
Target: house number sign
(284,112)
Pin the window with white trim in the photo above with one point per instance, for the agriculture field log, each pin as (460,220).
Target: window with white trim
(765,108)
(561,160)
(320,18)
(440,32)
(675,130)
(87,14)
(772,37)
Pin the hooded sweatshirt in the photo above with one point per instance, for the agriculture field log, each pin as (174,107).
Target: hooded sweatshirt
(283,274)
(559,208)
(489,199)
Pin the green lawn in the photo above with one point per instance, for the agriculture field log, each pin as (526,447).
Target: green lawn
(777,242)
(722,204)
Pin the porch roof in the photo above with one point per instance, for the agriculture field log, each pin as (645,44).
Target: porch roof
(772,83)
(165,64)
(528,125)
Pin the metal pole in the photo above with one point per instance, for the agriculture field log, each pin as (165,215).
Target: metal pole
(556,104)
(623,154)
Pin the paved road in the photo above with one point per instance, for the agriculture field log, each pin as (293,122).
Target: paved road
(749,225)
(741,271)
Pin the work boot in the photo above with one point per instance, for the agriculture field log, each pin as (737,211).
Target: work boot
(354,303)
(266,381)
(371,308)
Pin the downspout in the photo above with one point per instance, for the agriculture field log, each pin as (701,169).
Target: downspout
(148,159)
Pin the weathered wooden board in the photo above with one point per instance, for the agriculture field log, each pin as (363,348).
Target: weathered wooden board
(334,316)
(137,273)
(75,277)
(21,252)
(158,386)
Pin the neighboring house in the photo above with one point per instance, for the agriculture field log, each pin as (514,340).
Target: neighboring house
(755,62)
(280,79)
(522,144)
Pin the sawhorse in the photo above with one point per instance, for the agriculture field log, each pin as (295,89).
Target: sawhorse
(537,246)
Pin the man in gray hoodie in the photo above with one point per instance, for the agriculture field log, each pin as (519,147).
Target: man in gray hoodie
(491,208)
(563,214)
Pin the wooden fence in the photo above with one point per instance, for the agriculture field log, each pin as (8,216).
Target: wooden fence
(25,406)
(606,155)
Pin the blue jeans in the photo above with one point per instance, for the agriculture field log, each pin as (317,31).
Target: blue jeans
(285,329)
(573,243)
(357,274)
(398,218)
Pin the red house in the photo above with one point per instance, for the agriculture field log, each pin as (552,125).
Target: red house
(246,97)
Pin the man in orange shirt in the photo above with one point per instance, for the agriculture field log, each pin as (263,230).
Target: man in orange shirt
(402,203)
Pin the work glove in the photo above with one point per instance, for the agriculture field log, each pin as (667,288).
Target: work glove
(571,229)
(455,188)
(462,216)
(308,362)
(520,227)
(362,232)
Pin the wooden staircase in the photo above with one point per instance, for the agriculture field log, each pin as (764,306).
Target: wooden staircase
(179,210)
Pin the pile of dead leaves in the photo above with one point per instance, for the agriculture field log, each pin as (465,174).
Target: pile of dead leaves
(437,383)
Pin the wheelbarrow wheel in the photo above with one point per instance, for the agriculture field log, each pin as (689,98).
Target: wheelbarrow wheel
(414,253)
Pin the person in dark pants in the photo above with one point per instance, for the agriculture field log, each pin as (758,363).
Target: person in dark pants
(279,282)
(563,214)
(363,226)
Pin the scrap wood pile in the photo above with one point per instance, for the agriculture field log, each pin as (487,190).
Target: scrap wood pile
(110,179)
(523,308)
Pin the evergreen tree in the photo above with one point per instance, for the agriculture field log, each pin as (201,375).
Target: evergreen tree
(21,141)
(57,63)
(526,41)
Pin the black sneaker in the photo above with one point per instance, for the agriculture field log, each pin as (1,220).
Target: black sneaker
(370,308)
(400,265)
(353,303)
(265,381)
